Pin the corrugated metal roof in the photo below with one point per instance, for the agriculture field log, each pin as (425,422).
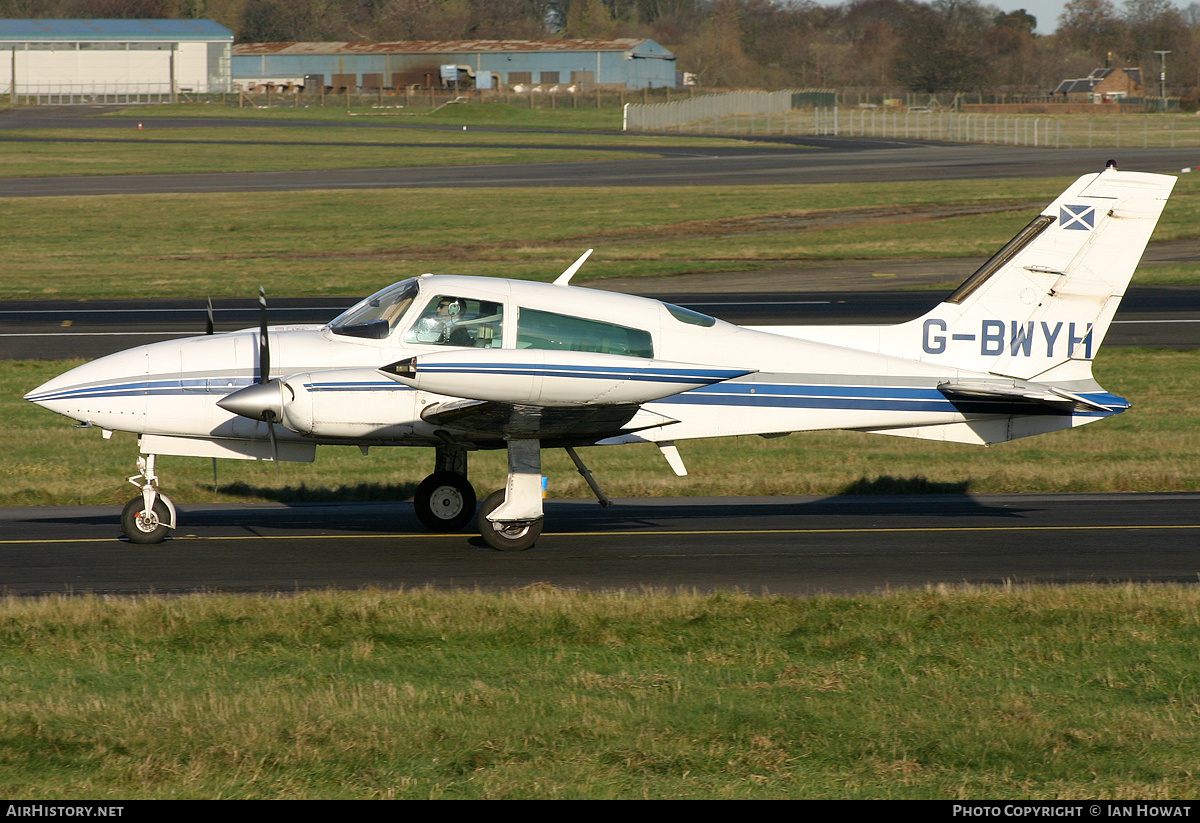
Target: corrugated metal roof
(35,30)
(441,46)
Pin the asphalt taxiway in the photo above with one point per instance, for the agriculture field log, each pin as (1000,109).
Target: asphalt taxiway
(780,545)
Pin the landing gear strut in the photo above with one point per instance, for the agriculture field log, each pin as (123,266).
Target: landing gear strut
(148,517)
(515,536)
(511,519)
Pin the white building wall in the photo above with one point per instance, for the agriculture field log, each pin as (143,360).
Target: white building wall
(90,68)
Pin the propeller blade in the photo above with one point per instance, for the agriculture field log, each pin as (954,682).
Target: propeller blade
(269,416)
(264,347)
(208,320)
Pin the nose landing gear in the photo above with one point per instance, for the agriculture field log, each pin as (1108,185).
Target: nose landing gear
(148,517)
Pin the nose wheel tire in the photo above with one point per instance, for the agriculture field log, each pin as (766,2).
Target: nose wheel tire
(444,502)
(507,537)
(145,526)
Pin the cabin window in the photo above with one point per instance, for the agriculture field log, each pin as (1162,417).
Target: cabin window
(695,318)
(547,330)
(375,317)
(450,320)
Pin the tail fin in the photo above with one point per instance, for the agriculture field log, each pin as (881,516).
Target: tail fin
(1041,306)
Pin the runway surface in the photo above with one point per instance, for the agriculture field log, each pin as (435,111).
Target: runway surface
(795,546)
(781,545)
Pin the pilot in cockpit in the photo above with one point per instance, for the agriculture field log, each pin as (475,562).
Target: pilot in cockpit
(438,321)
(458,321)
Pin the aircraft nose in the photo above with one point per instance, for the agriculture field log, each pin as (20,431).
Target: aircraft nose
(107,391)
(55,393)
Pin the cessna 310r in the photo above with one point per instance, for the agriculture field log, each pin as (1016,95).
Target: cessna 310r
(465,363)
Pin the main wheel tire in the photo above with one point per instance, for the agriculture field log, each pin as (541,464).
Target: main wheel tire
(507,537)
(445,502)
(142,526)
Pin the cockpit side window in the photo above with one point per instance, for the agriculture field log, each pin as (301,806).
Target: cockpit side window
(449,320)
(694,318)
(547,330)
(376,317)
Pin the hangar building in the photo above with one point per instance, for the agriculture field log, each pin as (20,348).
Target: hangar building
(615,63)
(114,56)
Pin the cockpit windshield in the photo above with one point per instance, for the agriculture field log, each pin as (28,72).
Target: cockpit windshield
(376,317)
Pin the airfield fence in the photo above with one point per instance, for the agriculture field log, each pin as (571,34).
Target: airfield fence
(77,94)
(792,112)
(742,114)
(387,100)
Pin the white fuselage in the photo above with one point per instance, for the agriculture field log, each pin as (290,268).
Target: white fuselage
(760,382)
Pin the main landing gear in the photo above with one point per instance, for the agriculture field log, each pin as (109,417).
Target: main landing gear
(514,536)
(445,501)
(148,517)
(510,519)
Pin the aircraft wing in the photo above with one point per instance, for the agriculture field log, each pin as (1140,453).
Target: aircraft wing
(483,420)
(548,395)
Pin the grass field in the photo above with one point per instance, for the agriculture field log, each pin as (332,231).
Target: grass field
(147,148)
(352,243)
(527,113)
(1001,693)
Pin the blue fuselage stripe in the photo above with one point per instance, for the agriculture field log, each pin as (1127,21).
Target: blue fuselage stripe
(734,395)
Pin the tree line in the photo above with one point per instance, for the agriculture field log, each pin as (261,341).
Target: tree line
(943,46)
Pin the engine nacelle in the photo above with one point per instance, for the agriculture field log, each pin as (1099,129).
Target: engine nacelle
(552,378)
(335,404)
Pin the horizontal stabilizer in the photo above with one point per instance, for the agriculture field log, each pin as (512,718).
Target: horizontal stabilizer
(1031,393)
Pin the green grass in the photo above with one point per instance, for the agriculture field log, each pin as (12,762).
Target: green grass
(184,151)
(1153,447)
(152,149)
(352,243)
(521,112)
(1067,693)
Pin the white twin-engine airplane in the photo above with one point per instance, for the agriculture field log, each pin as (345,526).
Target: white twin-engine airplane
(465,363)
